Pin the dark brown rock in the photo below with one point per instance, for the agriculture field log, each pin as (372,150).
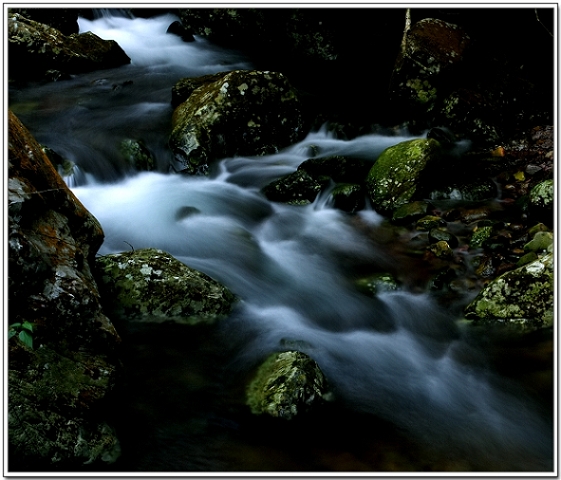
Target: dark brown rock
(57,388)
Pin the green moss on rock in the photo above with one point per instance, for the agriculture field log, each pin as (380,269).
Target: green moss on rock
(286,384)
(236,113)
(542,195)
(152,286)
(394,179)
(524,295)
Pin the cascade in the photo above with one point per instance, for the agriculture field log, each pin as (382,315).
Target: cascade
(398,357)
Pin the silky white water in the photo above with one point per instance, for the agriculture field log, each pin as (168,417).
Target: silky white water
(397,356)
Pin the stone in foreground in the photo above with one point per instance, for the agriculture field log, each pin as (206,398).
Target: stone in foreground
(287,384)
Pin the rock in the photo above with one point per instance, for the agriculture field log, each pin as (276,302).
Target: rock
(56,389)
(442,235)
(429,222)
(239,113)
(287,385)
(63,19)
(431,52)
(441,249)
(151,286)
(542,195)
(35,48)
(349,197)
(177,28)
(297,188)
(481,233)
(377,283)
(340,169)
(539,243)
(136,155)
(410,212)
(523,295)
(396,176)
(474,191)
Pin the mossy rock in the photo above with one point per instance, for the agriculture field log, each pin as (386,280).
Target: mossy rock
(377,283)
(287,384)
(540,242)
(480,235)
(523,295)
(396,177)
(240,112)
(542,194)
(152,286)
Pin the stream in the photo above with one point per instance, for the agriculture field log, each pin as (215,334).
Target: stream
(412,390)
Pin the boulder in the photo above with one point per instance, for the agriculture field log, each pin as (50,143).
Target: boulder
(287,385)
(238,113)
(38,52)
(57,382)
(152,286)
(523,295)
(396,177)
(431,53)
(471,78)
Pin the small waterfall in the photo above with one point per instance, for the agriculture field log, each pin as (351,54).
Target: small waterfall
(395,356)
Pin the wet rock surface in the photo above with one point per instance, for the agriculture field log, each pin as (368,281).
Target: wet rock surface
(237,113)
(40,52)
(287,384)
(151,286)
(58,385)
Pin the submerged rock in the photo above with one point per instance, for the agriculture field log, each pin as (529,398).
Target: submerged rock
(287,384)
(395,179)
(377,283)
(150,285)
(57,384)
(236,113)
(523,295)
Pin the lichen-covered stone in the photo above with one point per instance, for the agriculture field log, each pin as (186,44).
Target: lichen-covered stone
(523,295)
(57,388)
(480,234)
(240,113)
(542,195)
(287,384)
(150,285)
(396,176)
(35,48)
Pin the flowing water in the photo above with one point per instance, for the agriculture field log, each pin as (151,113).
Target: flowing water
(411,391)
